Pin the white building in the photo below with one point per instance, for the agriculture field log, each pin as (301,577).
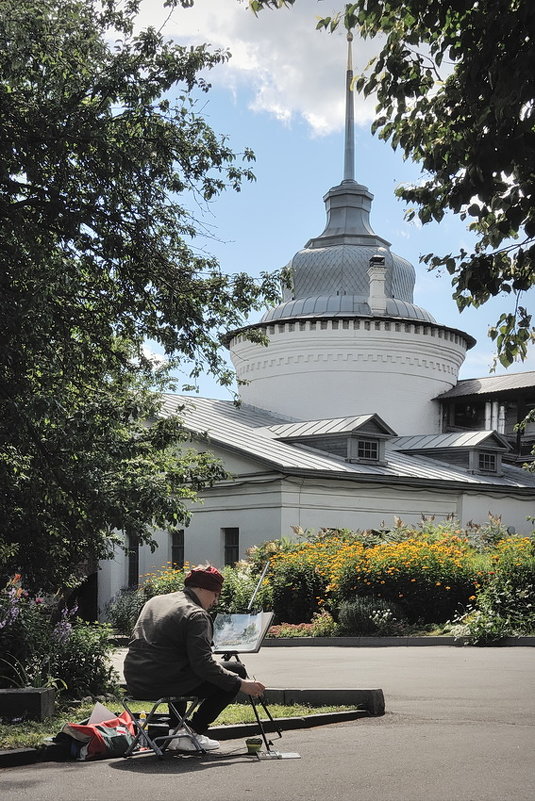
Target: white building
(353,414)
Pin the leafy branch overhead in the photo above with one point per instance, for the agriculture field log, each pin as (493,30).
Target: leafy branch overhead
(104,167)
(455,87)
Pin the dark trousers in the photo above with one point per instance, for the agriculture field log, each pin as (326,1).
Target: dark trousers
(214,700)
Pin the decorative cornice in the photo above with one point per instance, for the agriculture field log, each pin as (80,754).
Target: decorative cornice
(339,323)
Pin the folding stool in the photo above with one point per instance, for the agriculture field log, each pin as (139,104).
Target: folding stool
(142,736)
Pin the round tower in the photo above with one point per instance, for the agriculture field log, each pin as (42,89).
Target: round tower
(347,338)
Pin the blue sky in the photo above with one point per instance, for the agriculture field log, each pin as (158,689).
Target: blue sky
(282,94)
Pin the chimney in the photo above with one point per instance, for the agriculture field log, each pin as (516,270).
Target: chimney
(376,274)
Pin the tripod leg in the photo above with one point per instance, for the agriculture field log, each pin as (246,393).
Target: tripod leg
(228,657)
(267,742)
(270,716)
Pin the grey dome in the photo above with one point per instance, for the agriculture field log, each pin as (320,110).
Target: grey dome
(343,306)
(329,275)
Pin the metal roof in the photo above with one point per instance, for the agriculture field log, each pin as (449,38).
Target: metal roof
(337,425)
(459,439)
(491,384)
(246,430)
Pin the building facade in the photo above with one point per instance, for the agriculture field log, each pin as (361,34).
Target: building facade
(353,415)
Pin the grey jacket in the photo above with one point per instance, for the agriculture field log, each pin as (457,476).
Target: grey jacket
(170,652)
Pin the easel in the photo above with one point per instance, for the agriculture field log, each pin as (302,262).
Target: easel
(228,656)
(254,703)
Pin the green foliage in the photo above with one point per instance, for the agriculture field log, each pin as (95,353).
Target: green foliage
(82,661)
(432,570)
(505,605)
(240,584)
(455,88)
(429,579)
(44,645)
(296,592)
(486,535)
(123,610)
(369,615)
(323,624)
(166,579)
(31,630)
(258,555)
(107,154)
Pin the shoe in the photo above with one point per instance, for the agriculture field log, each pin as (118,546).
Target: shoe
(183,742)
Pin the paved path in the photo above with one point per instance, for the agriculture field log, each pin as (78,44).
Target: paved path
(459,727)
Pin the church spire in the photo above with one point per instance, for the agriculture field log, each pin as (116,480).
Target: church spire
(349,149)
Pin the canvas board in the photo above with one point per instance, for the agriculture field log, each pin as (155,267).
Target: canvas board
(240,633)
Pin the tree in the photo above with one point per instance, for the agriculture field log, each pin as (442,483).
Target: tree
(102,151)
(455,85)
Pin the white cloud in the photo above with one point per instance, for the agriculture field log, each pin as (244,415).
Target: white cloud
(157,359)
(291,69)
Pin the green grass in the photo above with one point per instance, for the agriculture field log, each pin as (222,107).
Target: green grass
(32,734)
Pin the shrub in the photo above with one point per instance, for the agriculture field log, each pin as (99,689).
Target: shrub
(428,579)
(44,646)
(30,634)
(367,615)
(483,536)
(123,610)
(291,630)
(166,579)
(296,592)
(323,624)
(81,661)
(238,588)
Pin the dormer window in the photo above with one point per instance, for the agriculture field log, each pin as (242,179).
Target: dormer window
(355,439)
(365,449)
(368,449)
(485,462)
(488,462)
(476,451)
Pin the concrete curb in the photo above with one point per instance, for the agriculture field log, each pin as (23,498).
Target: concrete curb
(387,642)
(369,703)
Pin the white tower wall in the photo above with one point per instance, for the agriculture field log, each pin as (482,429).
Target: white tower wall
(314,369)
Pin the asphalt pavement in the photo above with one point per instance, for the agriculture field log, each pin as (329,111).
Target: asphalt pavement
(459,726)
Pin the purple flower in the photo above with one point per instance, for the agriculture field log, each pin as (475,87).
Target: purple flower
(62,631)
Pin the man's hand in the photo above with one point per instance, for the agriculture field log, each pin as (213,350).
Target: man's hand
(254,688)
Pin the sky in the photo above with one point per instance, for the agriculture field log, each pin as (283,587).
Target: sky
(282,94)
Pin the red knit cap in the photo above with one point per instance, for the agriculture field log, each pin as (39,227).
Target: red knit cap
(207,578)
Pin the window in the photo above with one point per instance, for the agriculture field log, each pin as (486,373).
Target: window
(487,462)
(133,561)
(469,415)
(177,548)
(368,449)
(365,448)
(231,540)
